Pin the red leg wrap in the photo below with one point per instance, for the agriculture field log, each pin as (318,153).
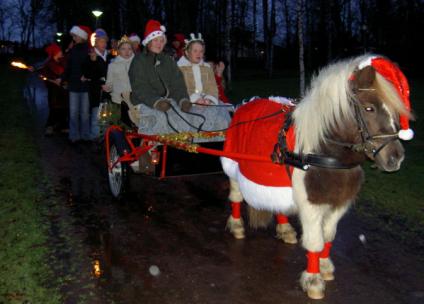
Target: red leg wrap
(282,219)
(235,210)
(325,253)
(313,262)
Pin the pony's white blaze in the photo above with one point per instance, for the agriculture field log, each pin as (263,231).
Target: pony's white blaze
(391,119)
(274,199)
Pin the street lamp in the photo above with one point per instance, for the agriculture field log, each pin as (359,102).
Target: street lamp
(97,14)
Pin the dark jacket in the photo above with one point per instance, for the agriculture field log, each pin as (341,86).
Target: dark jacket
(96,71)
(155,76)
(75,68)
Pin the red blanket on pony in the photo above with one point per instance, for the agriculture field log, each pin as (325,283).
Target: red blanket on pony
(259,138)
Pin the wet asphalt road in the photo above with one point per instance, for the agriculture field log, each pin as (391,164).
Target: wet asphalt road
(166,243)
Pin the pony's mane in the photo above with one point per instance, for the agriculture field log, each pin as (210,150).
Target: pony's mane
(326,105)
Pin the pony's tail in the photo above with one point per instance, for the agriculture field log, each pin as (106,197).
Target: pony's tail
(259,218)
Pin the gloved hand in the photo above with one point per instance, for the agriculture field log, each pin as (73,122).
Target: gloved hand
(185,105)
(163,105)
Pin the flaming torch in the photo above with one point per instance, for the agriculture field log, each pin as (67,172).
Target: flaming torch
(20,65)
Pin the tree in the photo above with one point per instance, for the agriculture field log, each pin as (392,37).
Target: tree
(300,20)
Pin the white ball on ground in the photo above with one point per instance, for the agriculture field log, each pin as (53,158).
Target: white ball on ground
(154,270)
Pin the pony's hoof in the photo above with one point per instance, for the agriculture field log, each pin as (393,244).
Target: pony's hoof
(327,269)
(327,276)
(315,294)
(236,227)
(313,284)
(286,233)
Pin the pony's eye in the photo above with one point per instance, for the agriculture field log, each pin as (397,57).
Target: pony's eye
(369,109)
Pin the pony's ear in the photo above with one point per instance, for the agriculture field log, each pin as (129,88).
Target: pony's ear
(364,78)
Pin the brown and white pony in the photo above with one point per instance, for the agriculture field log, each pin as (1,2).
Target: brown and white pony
(350,113)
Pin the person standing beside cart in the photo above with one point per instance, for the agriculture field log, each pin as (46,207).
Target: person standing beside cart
(57,96)
(96,73)
(79,107)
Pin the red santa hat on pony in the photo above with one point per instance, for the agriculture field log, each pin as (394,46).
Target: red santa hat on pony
(81,31)
(153,30)
(394,75)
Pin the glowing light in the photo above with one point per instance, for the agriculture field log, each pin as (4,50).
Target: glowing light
(155,157)
(93,39)
(59,34)
(96,269)
(58,40)
(19,65)
(97,13)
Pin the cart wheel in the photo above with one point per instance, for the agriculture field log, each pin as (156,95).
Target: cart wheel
(119,175)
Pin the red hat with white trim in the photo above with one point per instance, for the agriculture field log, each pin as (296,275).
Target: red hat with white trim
(153,30)
(81,31)
(394,75)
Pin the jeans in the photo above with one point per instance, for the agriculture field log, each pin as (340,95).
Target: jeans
(79,116)
(94,124)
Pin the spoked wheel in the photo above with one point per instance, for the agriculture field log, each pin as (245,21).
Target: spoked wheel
(119,175)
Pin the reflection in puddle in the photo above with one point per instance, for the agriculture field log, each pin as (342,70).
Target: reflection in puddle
(97,272)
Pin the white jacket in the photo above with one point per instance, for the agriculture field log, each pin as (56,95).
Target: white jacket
(117,77)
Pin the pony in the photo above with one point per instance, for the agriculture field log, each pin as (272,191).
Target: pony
(353,110)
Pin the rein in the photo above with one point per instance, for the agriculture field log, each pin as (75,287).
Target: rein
(281,155)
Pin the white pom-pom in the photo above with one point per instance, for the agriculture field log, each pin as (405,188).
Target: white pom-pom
(406,134)
(162,28)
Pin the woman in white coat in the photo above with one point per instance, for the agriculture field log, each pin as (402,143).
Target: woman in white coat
(117,82)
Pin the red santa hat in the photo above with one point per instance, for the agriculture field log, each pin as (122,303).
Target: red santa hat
(153,30)
(81,31)
(52,49)
(394,75)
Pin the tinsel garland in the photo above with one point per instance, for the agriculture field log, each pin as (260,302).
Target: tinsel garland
(183,140)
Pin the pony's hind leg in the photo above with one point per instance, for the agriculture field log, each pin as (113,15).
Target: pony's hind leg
(329,229)
(285,231)
(235,222)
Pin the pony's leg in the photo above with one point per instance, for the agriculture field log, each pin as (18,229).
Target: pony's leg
(330,228)
(311,218)
(235,222)
(285,231)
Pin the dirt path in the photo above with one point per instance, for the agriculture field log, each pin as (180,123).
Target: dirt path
(177,226)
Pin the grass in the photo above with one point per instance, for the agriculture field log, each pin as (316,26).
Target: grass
(395,201)
(25,275)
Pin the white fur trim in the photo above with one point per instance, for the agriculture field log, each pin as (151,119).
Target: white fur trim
(230,167)
(282,100)
(152,36)
(275,199)
(366,62)
(406,134)
(76,30)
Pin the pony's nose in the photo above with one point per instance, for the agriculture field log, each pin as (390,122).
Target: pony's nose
(394,163)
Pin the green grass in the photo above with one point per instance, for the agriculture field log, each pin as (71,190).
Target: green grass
(25,275)
(396,200)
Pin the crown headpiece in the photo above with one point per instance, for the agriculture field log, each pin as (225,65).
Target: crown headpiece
(124,39)
(193,38)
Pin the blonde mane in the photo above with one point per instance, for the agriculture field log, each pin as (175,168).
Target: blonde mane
(326,105)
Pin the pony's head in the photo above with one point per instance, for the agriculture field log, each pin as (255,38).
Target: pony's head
(359,104)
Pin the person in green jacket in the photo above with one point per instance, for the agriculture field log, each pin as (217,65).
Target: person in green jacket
(154,76)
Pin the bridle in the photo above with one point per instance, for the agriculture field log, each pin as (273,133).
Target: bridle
(367,144)
(281,154)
